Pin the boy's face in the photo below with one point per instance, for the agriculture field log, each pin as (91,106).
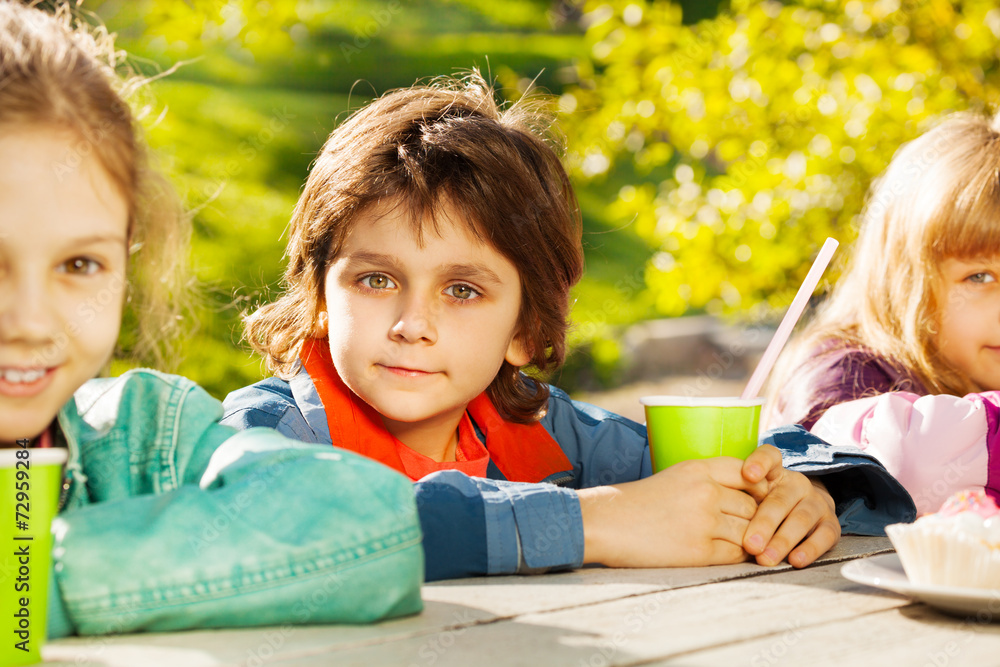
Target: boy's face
(63,230)
(418,332)
(969,336)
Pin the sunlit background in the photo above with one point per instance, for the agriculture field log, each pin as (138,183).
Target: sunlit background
(713,145)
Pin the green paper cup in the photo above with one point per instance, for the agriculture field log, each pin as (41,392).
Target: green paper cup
(682,428)
(30,480)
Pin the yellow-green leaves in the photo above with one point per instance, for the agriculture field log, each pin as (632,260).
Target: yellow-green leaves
(765,126)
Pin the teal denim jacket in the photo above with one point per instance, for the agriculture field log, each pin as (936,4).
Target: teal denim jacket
(172,521)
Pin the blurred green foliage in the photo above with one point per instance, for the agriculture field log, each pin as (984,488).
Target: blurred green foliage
(714,146)
(259,87)
(754,134)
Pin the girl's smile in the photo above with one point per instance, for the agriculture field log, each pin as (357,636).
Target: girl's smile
(24,382)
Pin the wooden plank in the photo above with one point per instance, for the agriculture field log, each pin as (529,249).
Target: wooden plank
(451,607)
(913,635)
(251,646)
(640,628)
(506,597)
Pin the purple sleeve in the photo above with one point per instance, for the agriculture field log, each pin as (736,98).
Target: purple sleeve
(836,376)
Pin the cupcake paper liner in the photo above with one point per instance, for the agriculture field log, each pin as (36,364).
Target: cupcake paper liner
(939,555)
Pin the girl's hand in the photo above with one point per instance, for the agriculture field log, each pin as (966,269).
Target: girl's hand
(693,513)
(796,517)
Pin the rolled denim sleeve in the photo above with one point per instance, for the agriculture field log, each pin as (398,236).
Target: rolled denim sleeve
(475,526)
(867,497)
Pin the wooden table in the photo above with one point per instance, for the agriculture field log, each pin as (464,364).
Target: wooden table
(727,615)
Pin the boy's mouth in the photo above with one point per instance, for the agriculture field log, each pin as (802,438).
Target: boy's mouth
(406,372)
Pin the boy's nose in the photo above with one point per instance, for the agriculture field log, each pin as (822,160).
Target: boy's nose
(415,322)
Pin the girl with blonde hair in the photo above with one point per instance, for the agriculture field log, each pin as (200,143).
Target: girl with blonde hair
(914,324)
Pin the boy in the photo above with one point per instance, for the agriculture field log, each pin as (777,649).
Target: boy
(431,256)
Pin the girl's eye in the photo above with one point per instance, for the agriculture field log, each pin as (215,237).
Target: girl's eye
(981,278)
(377,281)
(81,266)
(462,292)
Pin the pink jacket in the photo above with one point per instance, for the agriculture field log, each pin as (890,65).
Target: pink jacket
(934,445)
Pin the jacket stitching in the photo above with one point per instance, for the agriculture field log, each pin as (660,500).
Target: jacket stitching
(264,578)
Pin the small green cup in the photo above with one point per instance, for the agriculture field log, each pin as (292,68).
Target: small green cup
(30,480)
(682,428)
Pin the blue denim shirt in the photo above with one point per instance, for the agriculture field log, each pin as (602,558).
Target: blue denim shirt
(172,521)
(476,526)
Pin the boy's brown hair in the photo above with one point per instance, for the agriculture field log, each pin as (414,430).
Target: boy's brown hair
(426,148)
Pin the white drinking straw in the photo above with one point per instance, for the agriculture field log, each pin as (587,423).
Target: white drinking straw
(788,323)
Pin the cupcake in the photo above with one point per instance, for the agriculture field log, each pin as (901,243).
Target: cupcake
(957,546)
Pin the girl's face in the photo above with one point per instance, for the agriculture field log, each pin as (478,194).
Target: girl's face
(63,249)
(418,332)
(969,335)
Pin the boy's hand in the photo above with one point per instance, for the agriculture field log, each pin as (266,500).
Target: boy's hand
(795,511)
(693,513)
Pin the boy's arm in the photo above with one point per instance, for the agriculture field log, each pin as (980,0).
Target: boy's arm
(691,514)
(695,513)
(608,448)
(474,526)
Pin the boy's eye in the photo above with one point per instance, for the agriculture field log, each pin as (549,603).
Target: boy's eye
(981,277)
(462,292)
(377,281)
(80,266)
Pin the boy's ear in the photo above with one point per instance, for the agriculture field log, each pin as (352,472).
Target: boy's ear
(322,327)
(518,354)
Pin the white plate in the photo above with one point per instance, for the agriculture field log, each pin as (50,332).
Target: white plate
(886,572)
